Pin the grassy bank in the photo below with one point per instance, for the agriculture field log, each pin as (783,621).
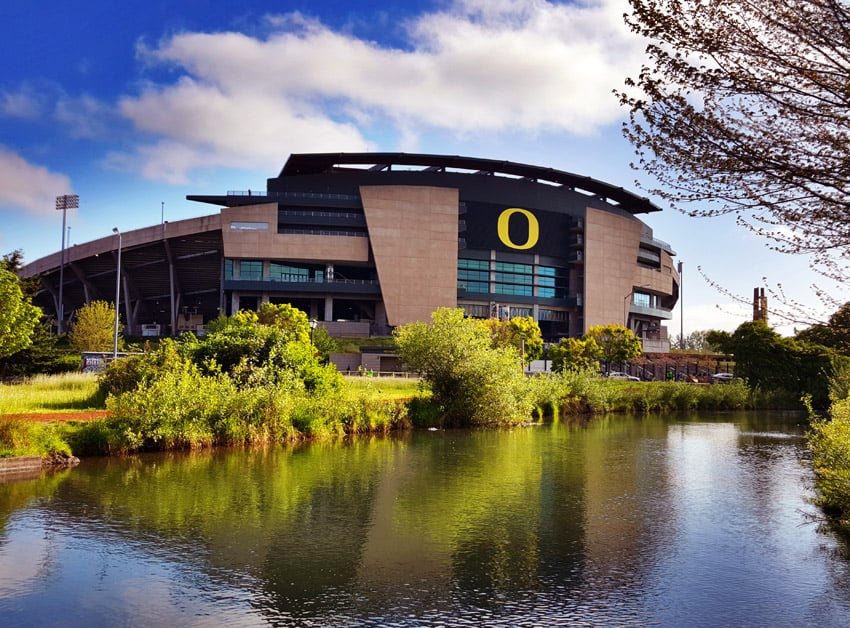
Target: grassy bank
(186,410)
(68,392)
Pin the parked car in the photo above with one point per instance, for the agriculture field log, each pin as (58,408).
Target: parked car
(721,378)
(626,376)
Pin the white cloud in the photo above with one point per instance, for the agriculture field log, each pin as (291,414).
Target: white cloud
(85,117)
(475,68)
(27,186)
(20,104)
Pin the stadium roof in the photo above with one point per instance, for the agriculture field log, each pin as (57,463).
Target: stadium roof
(321,163)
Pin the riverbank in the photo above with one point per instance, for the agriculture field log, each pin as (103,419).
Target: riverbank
(200,412)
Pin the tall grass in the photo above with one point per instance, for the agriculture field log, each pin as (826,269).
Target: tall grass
(68,392)
(585,392)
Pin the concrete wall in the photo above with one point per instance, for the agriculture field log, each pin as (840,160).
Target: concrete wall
(269,244)
(413,232)
(610,272)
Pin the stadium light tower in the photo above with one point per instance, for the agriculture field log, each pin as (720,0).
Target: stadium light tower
(63,203)
(117,296)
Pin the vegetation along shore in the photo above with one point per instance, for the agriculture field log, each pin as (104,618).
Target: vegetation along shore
(257,378)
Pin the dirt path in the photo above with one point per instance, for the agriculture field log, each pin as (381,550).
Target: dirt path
(46,417)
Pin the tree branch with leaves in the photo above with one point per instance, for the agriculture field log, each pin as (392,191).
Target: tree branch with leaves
(744,108)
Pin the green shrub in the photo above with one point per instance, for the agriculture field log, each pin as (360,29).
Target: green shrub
(94,438)
(173,411)
(475,383)
(424,412)
(19,437)
(256,416)
(829,441)
(128,373)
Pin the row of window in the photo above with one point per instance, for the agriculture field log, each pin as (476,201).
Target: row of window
(478,310)
(512,279)
(473,276)
(252,270)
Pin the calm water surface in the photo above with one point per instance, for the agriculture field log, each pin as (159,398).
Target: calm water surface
(624,521)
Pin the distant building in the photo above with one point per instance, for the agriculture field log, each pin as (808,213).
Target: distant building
(759,305)
(367,241)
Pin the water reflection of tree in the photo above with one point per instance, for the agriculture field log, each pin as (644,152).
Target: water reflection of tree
(292,521)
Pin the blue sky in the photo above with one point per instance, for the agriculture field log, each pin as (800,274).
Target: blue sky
(133,105)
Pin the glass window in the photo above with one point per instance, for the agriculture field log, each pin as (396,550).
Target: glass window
(251,269)
(524,280)
(641,299)
(249,226)
(474,286)
(228,269)
(551,282)
(283,272)
(524,269)
(477,264)
(552,315)
(475,310)
(523,291)
(473,275)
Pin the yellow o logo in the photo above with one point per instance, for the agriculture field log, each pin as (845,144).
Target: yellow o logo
(533,228)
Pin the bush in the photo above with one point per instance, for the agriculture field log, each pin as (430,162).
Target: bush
(175,410)
(473,382)
(829,441)
(424,413)
(24,438)
(128,373)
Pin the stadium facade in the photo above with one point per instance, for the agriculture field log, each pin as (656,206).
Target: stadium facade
(364,242)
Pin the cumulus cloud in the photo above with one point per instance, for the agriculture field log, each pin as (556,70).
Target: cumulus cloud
(476,67)
(23,103)
(85,117)
(27,186)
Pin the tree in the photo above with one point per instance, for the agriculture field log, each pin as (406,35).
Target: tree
(694,341)
(835,334)
(521,332)
(324,343)
(18,317)
(615,343)
(574,354)
(473,382)
(43,356)
(271,346)
(771,362)
(94,327)
(744,108)
(291,321)
(14,262)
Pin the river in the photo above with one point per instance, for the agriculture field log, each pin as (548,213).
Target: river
(622,521)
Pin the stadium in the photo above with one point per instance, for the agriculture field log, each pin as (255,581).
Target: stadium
(364,242)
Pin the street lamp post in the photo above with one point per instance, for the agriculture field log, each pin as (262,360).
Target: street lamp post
(117,296)
(63,203)
(313,324)
(681,310)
